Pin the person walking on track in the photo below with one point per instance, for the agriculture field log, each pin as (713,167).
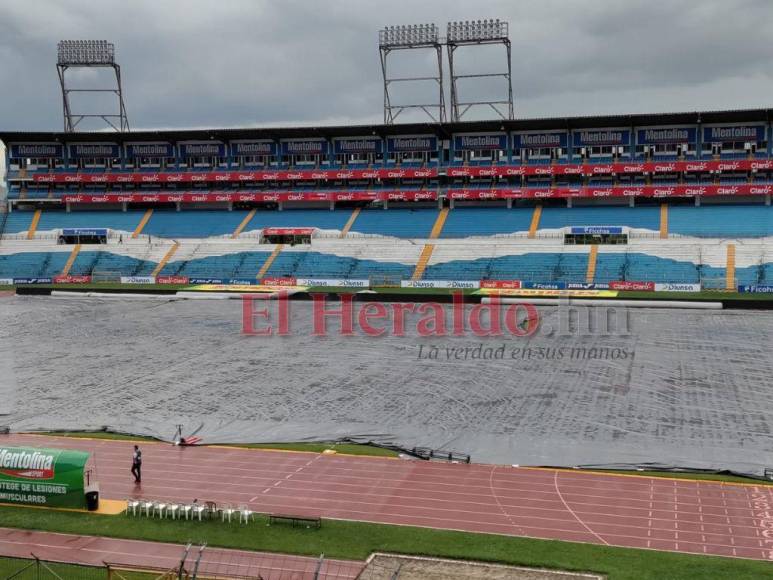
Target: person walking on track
(137,464)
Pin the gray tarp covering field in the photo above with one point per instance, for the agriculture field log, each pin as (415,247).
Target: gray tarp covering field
(680,388)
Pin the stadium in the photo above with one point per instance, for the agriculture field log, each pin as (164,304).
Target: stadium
(552,334)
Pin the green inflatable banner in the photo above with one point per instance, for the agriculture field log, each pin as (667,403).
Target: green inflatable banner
(42,477)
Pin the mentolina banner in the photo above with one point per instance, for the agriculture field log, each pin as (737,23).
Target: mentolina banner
(42,477)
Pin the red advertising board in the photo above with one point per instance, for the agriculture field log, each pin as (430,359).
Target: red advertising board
(638,286)
(511,284)
(171,279)
(236,176)
(461,194)
(278,281)
(288,231)
(72,279)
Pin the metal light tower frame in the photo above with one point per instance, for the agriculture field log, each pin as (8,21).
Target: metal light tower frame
(411,37)
(476,33)
(89,54)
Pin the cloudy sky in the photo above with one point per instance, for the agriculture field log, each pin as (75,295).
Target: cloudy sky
(210,63)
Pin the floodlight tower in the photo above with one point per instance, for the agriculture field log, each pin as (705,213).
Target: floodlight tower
(476,33)
(89,54)
(412,37)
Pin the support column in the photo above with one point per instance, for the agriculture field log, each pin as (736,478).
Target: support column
(568,202)
(631,202)
(332,205)
(697,201)
(509,203)
(767,199)
(280,207)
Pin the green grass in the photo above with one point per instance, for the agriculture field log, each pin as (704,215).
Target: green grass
(727,478)
(354,540)
(347,448)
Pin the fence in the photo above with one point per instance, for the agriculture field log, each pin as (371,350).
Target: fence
(195,564)
(36,569)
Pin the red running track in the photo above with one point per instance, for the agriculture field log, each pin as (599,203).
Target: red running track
(638,512)
(161,556)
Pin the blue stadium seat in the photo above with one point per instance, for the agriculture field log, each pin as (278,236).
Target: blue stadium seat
(637,217)
(480,221)
(398,222)
(721,220)
(115,220)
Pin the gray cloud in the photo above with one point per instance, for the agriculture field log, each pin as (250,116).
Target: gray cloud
(200,63)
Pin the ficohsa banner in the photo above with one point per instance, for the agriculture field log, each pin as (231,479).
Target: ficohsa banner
(42,477)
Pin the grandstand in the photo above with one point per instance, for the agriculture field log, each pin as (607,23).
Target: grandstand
(689,192)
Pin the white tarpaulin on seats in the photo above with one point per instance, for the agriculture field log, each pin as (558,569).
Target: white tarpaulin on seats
(681,388)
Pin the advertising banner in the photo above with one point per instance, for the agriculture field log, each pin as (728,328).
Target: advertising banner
(416,144)
(156,150)
(734,134)
(584,286)
(597,230)
(206,281)
(35,150)
(540,140)
(540,293)
(279,281)
(84,232)
(205,149)
(666,135)
(358,145)
(593,138)
(72,279)
(138,280)
(761,289)
(588,170)
(304,147)
(637,286)
(172,280)
(500,283)
(675,287)
(287,231)
(18,281)
(453,284)
(242,282)
(544,285)
(88,150)
(6,281)
(334,282)
(42,477)
(253,148)
(480,142)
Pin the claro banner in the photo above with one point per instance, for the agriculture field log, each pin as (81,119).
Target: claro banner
(42,477)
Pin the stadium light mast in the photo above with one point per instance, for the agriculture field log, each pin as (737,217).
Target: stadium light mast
(476,33)
(411,37)
(89,54)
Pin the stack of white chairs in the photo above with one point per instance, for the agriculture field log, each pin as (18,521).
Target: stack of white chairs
(189,511)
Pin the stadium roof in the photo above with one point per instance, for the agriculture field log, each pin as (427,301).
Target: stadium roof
(444,130)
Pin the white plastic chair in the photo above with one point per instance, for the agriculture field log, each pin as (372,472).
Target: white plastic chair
(226,512)
(147,506)
(159,508)
(245,514)
(132,505)
(199,509)
(173,509)
(186,510)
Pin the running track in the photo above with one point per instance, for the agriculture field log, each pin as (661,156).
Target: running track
(638,512)
(161,556)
